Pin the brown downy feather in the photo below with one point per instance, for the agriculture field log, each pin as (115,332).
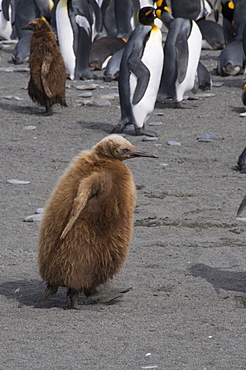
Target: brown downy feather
(47,82)
(87,223)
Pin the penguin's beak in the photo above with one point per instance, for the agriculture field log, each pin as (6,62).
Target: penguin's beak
(26,28)
(138,153)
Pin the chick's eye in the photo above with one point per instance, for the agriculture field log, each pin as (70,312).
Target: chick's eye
(125,150)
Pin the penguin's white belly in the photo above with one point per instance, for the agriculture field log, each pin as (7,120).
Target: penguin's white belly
(5,26)
(153,59)
(194,51)
(65,36)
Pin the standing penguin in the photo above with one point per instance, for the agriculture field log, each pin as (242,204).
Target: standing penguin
(181,56)
(87,223)
(140,73)
(47,82)
(74,30)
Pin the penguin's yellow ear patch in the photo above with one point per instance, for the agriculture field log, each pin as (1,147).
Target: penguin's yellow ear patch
(122,38)
(44,19)
(231,5)
(158,13)
(244,86)
(167,9)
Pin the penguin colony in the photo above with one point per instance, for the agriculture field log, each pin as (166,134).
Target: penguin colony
(79,25)
(47,82)
(87,223)
(148,72)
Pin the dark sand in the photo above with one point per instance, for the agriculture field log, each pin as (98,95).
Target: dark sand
(186,264)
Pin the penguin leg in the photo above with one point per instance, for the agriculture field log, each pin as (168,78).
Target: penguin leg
(49,291)
(117,129)
(72,298)
(141,131)
(48,111)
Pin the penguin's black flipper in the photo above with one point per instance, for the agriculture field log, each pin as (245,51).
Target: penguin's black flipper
(5,9)
(182,54)
(142,73)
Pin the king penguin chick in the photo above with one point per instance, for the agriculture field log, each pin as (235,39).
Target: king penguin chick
(87,223)
(140,73)
(47,82)
(181,56)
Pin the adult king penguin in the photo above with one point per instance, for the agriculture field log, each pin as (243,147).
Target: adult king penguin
(140,73)
(74,29)
(181,56)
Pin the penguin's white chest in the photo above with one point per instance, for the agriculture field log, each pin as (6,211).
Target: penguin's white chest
(5,26)
(65,36)
(153,59)
(194,50)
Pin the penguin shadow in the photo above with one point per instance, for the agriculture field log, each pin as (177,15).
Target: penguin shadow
(220,278)
(22,109)
(30,292)
(238,109)
(102,126)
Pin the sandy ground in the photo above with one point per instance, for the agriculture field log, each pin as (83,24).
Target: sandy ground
(186,264)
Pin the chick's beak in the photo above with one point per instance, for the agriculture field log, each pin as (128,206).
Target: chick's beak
(138,153)
(25,28)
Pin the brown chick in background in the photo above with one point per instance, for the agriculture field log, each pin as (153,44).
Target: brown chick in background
(47,82)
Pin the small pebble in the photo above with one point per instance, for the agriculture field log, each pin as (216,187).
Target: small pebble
(205,95)
(241,219)
(86,94)
(9,69)
(109,96)
(22,69)
(155,123)
(173,143)
(18,182)
(217,83)
(99,103)
(11,97)
(163,164)
(207,138)
(158,114)
(33,218)
(87,87)
(150,138)
(39,210)
(29,128)
(17,290)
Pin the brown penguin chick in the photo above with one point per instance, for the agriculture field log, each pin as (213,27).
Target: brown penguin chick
(87,223)
(47,82)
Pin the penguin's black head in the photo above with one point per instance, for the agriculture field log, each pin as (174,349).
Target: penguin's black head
(227,10)
(146,15)
(161,8)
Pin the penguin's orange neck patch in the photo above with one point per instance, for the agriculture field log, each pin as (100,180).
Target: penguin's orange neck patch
(154,27)
(244,86)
